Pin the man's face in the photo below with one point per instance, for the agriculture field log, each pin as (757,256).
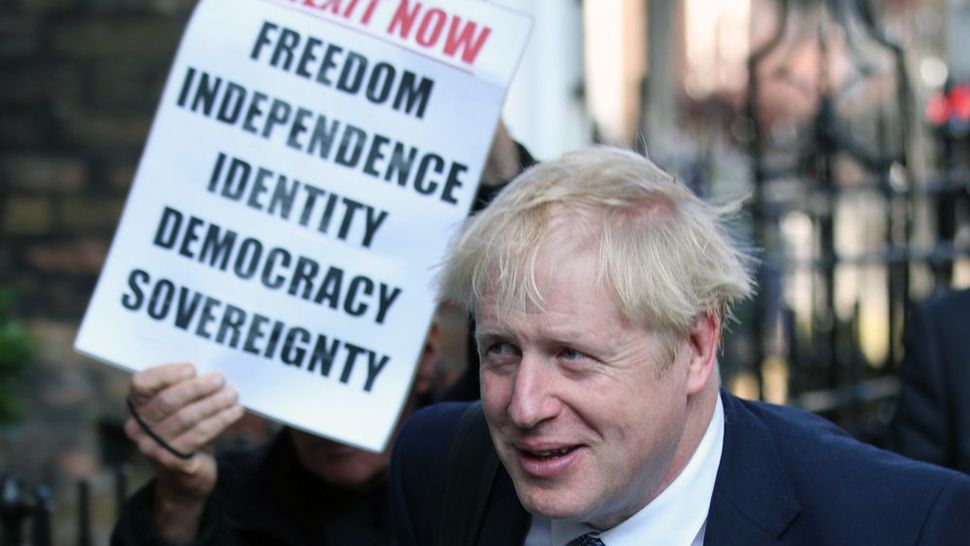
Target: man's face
(583,418)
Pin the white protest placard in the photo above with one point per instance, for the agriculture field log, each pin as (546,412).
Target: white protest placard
(307,165)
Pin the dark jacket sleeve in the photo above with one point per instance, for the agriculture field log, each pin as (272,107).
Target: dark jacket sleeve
(417,472)
(922,428)
(947,523)
(136,524)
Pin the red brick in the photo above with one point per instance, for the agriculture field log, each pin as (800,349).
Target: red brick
(107,132)
(90,213)
(108,39)
(26,215)
(45,174)
(82,256)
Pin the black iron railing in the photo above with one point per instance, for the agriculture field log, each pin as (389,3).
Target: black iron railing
(844,154)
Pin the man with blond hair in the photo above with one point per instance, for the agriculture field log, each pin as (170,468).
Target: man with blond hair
(599,286)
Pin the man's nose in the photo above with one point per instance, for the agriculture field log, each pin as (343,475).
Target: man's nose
(534,397)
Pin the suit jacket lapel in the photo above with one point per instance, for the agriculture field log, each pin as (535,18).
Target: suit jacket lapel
(753,501)
(505,522)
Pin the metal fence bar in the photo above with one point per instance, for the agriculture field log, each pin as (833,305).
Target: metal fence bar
(84,514)
(41,524)
(13,512)
(827,368)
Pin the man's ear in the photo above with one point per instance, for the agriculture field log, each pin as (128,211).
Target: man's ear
(702,344)
(425,377)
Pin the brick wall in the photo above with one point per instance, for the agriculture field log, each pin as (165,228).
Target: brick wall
(79,83)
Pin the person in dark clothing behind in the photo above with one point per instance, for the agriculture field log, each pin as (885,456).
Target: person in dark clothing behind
(932,421)
(298,490)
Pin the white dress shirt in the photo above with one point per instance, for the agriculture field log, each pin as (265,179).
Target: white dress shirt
(676,517)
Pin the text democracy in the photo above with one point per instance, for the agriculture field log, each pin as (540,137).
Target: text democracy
(285,197)
(235,327)
(378,156)
(275,267)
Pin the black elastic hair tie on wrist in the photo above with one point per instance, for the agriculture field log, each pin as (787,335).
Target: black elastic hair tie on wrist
(158,439)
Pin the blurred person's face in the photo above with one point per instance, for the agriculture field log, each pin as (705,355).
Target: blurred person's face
(338,464)
(586,420)
(347,467)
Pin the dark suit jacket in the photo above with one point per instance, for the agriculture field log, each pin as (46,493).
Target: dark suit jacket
(786,478)
(932,421)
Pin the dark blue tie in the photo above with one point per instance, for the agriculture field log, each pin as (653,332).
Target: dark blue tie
(589,539)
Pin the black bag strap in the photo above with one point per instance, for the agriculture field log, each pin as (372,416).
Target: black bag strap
(469,472)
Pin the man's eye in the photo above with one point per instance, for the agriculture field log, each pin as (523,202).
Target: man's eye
(500,349)
(499,356)
(571,354)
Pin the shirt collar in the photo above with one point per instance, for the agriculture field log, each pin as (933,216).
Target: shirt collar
(676,516)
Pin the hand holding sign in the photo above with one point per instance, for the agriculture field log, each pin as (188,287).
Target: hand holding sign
(186,412)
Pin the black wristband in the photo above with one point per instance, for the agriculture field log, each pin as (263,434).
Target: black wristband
(158,439)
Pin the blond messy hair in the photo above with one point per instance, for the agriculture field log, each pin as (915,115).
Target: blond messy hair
(664,253)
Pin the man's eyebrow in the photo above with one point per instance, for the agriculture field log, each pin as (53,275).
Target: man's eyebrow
(490,333)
